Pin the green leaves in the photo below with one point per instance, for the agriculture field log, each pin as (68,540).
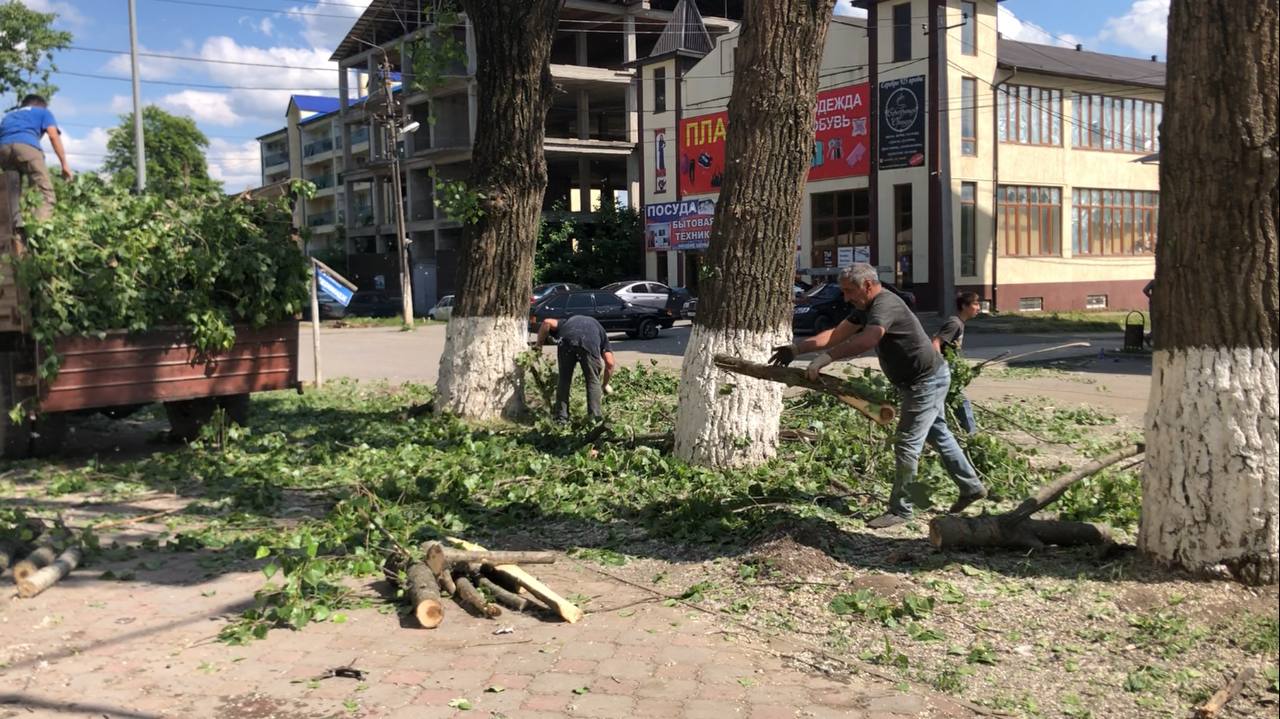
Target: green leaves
(27,45)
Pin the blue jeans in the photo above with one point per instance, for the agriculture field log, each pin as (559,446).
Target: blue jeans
(965,417)
(922,415)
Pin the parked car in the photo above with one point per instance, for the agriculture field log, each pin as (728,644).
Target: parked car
(612,312)
(690,309)
(543,291)
(373,303)
(677,299)
(330,309)
(443,309)
(823,307)
(650,294)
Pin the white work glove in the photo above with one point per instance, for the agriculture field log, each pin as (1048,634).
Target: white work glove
(608,389)
(816,365)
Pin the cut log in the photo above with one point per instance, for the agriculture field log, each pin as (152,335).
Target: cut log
(423,592)
(1016,529)
(1210,709)
(433,557)
(472,600)
(846,392)
(48,576)
(508,599)
(42,556)
(530,584)
(949,531)
(457,556)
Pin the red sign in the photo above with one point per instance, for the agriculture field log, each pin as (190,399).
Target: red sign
(702,147)
(841,141)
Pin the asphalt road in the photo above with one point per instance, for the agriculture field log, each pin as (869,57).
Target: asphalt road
(1117,385)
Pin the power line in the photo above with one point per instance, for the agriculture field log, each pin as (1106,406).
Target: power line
(192,84)
(187,58)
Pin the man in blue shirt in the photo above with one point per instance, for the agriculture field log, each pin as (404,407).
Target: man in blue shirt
(20,150)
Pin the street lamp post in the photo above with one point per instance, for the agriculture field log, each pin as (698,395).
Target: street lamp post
(402,240)
(140,152)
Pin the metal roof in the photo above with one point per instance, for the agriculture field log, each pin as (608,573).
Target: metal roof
(1070,62)
(381,22)
(684,33)
(315,103)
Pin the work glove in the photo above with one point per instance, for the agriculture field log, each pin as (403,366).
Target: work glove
(608,389)
(816,365)
(783,355)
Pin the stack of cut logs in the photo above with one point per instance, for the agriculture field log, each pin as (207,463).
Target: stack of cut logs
(472,575)
(42,565)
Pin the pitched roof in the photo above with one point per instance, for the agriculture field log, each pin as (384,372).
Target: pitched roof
(684,33)
(315,103)
(1069,62)
(382,21)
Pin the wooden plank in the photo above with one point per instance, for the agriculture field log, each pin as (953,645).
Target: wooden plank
(566,609)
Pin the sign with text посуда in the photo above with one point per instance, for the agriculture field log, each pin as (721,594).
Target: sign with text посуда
(684,225)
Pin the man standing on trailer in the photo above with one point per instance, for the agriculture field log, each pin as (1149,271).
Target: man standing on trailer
(20,134)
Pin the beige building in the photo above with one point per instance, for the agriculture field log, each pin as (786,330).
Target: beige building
(945,155)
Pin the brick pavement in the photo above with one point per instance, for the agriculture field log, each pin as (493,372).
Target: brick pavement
(146,648)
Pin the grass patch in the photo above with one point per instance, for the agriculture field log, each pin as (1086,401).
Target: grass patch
(1028,322)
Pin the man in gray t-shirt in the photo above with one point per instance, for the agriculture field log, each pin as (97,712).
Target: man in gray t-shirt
(922,377)
(582,343)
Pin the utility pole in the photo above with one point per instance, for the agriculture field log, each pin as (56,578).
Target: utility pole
(402,241)
(140,153)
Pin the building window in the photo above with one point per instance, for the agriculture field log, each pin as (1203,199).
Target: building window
(1030,304)
(659,89)
(1114,222)
(968,229)
(1029,115)
(1095,302)
(968,116)
(902,32)
(840,221)
(1115,124)
(1030,221)
(969,30)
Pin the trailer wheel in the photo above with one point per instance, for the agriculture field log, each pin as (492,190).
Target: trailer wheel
(47,432)
(15,439)
(237,408)
(188,416)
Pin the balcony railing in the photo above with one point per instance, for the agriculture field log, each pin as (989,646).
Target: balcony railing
(359,136)
(317,147)
(322,181)
(276,158)
(320,218)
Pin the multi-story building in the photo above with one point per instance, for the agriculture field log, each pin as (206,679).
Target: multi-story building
(592,135)
(309,147)
(949,157)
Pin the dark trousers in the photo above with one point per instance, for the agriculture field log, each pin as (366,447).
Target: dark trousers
(570,357)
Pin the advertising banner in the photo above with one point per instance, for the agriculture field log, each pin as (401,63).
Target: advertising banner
(902,123)
(841,138)
(684,225)
(841,141)
(660,161)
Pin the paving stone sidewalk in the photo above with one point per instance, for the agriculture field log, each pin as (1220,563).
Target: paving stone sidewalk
(146,648)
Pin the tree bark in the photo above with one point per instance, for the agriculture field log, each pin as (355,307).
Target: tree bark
(454,556)
(423,593)
(33,584)
(479,378)
(472,600)
(876,411)
(1211,484)
(746,298)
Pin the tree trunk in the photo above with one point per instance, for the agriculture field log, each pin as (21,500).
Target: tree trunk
(478,374)
(1211,484)
(726,420)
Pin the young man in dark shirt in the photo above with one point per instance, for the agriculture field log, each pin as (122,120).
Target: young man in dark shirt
(582,343)
(907,357)
(951,338)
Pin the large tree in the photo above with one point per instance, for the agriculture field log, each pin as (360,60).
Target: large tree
(1211,485)
(479,378)
(175,154)
(746,288)
(27,44)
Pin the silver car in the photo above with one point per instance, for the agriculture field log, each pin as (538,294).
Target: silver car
(649,294)
(443,309)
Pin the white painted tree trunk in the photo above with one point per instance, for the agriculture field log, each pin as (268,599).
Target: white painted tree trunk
(726,419)
(479,379)
(1211,486)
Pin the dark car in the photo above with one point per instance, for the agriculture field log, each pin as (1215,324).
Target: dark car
(542,292)
(678,298)
(612,312)
(823,307)
(373,303)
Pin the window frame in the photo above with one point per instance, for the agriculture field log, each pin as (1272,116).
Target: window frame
(828,224)
(1029,115)
(969,10)
(969,116)
(1114,223)
(968,229)
(1111,123)
(659,89)
(901,33)
(1021,210)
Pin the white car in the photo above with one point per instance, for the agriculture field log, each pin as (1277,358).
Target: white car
(649,294)
(443,309)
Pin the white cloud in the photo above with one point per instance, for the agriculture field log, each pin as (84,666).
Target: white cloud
(203,106)
(235,164)
(264,26)
(68,15)
(150,68)
(1144,28)
(85,149)
(319,26)
(1015,29)
(846,8)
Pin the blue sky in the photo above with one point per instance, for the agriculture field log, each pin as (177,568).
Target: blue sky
(301,34)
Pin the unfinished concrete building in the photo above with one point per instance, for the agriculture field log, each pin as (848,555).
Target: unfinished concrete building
(592,139)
